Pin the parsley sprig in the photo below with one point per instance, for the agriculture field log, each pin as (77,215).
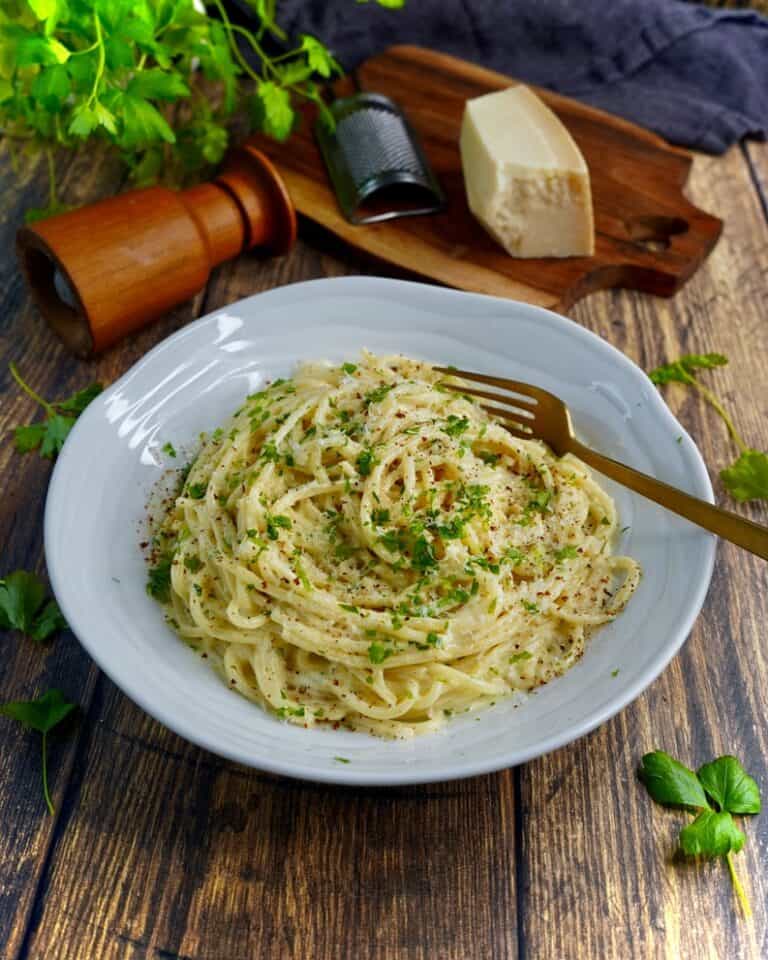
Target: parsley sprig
(747,477)
(715,792)
(42,715)
(130,75)
(48,435)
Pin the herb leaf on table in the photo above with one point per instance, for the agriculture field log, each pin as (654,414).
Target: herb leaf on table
(713,833)
(42,715)
(23,606)
(747,477)
(48,436)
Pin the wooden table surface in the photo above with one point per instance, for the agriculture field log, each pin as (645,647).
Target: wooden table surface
(160,850)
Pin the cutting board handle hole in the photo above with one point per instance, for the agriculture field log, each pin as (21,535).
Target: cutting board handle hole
(655,232)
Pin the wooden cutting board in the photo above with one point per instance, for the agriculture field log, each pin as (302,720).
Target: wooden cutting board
(648,236)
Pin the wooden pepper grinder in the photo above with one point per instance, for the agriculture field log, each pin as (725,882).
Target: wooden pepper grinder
(105,270)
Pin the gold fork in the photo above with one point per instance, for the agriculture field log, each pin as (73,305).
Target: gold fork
(534,413)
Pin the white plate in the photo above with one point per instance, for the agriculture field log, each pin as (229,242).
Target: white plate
(196,378)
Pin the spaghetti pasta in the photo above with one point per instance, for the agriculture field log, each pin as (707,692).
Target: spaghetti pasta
(359,546)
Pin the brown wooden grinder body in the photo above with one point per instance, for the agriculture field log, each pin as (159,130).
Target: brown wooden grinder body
(128,259)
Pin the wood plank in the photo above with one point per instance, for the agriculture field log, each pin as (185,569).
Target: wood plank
(194,857)
(648,236)
(598,876)
(29,669)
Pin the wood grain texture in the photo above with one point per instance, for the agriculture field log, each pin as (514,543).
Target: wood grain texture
(162,851)
(648,236)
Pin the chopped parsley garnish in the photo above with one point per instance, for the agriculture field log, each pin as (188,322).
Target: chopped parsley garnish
(378,653)
(519,657)
(365,462)
(159,578)
(270,453)
(566,553)
(434,640)
(454,426)
(377,395)
(349,368)
(193,563)
(169,449)
(276,523)
(423,554)
(530,606)
(349,607)
(490,458)
(380,516)
(283,712)
(197,490)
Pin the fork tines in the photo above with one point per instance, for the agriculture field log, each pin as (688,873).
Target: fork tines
(517,406)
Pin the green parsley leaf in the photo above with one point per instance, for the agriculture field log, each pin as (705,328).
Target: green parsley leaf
(342,760)
(277,113)
(380,516)
(197,491)
(277,523)
(566,553)
(681,371)
(434,640)
(42,715)
(730,786)
(530,606)
(423,554)
(520,656)
(318,57)
(193,563)
(747,477)
(159,578)
(377,395)
(712,834)
(454,426)
(169,449)
(670,783)
(23,606)
(365,462)
(378,653)
(490,458)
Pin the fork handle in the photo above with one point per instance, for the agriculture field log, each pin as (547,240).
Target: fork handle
(725,524)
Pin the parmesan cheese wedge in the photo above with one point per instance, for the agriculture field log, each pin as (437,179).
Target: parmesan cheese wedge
(526,179)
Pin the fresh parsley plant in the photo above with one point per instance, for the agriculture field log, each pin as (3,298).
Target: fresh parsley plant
(747,477)
(131,75)
(42,715)
(48,435)
(715,792)
(23,606)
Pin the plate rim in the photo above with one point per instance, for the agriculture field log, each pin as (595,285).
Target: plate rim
(342,774)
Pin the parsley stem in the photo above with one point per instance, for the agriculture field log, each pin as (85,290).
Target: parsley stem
(102,60)
(30,392)
(712,399)
(46,794)
(51,177)
(231,28)
(739,890)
